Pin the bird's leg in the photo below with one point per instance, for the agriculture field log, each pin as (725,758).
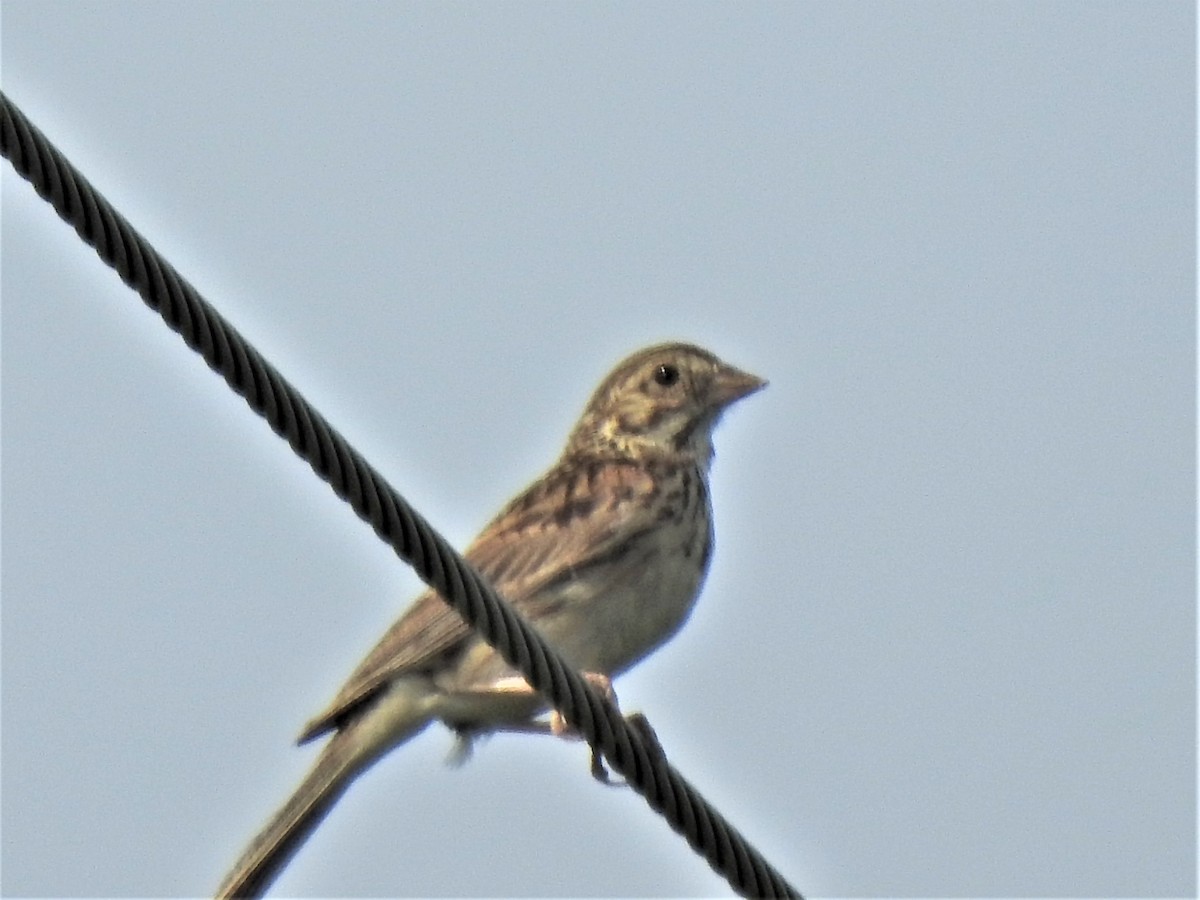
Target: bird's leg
(560,728)
(554,724)
(557,726)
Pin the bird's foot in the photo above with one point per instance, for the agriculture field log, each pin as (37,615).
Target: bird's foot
(639,723)
(602,683)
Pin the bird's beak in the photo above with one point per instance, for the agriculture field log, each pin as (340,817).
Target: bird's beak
(731,385)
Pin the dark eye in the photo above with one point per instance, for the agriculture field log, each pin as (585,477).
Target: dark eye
(666,374)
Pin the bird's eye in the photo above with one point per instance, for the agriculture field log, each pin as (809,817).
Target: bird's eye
(666,374)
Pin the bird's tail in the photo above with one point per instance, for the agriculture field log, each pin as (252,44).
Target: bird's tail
(347,753)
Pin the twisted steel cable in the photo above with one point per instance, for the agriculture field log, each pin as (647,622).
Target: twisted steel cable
(376,502)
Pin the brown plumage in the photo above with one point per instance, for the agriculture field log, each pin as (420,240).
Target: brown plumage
(604,555)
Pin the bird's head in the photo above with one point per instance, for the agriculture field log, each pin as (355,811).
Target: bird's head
(663,400)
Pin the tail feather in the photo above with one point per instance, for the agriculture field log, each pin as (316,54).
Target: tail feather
(274,846)
(396,716)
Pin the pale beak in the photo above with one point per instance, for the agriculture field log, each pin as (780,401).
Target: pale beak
(731,385)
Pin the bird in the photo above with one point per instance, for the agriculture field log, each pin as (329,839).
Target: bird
(604,555)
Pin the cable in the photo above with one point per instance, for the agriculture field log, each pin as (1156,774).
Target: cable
(376,502)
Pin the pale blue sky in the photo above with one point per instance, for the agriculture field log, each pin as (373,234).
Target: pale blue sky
(947,647)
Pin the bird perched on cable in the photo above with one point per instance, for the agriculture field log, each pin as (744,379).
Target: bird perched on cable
(604,555)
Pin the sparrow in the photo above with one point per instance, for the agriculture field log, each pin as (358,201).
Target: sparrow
(604,555)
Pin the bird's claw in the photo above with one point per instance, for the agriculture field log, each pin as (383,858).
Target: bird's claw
(639,723)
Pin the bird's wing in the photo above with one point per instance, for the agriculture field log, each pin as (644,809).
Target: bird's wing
(575,516)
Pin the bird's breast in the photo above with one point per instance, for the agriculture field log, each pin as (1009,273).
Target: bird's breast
(611,615)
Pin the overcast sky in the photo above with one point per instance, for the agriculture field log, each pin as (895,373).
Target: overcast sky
(947,646)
